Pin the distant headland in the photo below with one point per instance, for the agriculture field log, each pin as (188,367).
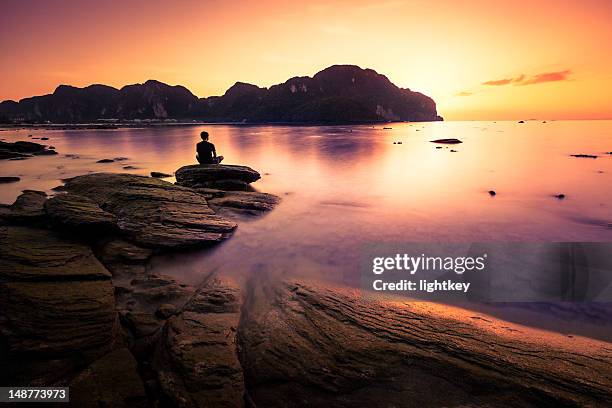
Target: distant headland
(338,94)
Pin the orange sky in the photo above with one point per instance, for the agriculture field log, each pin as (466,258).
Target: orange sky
(541,59)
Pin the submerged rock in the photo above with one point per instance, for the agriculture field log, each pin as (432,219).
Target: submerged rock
(446,141)
(584,156)
(106,161)
(9,179)
(225,177)
(492,193)
(158,174)
(23,150)
(243,203)
(152,212)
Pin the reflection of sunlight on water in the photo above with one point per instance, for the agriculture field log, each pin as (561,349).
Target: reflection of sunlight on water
(345,186)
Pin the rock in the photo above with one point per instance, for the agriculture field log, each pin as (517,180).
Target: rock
(111,381)
(453,151)
(118,250)
(44,138)
(57,308)
(492,193)
(9,179)
(38,254)
(153,213)
(584,156)
(120,158)
(27,208)
(158,174)
(166,310)
(216,176)
(79,214)
(243,203)
(130,168)
(196,358)
(521,121)
(22,150)
(306,345)
(560,196)
(446,141)
(106,161)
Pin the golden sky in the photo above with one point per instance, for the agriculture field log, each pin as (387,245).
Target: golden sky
(477,59)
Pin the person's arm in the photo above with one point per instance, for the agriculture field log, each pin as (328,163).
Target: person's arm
(214,151)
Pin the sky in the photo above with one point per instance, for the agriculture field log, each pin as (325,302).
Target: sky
(479,60)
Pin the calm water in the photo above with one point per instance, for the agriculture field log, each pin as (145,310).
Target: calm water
(345,185)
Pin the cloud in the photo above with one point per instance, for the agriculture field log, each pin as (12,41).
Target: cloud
(532,80)
(464,93)
(548,77)
(506,81)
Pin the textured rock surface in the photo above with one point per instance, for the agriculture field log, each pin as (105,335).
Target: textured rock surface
(243,203)
(112,381)
(79,214)
(225,177)
(196,358)
(303,345)
(57,308)
(153,212)
(27,208)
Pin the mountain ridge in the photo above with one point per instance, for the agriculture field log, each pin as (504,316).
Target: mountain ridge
(339,93)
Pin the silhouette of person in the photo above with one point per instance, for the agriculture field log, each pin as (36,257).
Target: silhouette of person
(206,151)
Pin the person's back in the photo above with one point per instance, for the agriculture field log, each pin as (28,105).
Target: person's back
(206,151)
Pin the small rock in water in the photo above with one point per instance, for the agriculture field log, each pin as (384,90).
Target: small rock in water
(387,128)
(130,168)
(447,141)
(399,142)
(438,147)
(9,179)
(44,138)
(120,158)
(521,121)
(394,142)
(492,193)
(584,156)
(560,196)
(105,161)
(453,151)
(158,174)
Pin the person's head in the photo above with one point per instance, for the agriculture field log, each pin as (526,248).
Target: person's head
(204,135)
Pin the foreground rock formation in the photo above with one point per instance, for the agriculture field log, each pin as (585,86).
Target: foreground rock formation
(23,150)
(80,307)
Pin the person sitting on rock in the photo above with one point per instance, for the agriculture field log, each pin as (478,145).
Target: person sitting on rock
(206,151)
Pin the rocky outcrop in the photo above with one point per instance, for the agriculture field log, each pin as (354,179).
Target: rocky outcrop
(306,345)
(23,150)
(196,358)
(57,309)
(79,215)
(111,381)
(242,203)
(219,176)
(28,208)
(152,212)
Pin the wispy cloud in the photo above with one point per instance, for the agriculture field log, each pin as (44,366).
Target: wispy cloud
(548,77)
(532,80)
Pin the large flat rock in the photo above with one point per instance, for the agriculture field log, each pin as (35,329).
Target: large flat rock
(39,254)
(226,177)
(79,214)
(153,212)
(308,345)
(28,208)
(57,307)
